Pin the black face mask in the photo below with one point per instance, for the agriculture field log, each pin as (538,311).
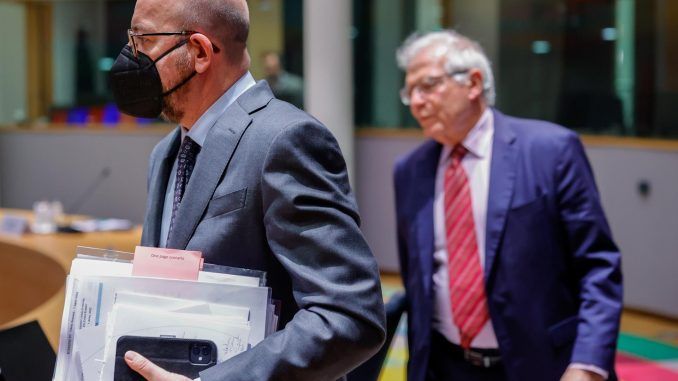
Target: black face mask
(136,84)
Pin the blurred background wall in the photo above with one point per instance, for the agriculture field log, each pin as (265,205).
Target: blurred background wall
(12,62)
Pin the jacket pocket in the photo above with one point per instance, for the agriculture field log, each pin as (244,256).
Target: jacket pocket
(226,203)
(564,332)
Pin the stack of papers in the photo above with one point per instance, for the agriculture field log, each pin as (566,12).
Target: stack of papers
(104,302)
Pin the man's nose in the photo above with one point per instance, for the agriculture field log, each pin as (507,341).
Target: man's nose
(417,100)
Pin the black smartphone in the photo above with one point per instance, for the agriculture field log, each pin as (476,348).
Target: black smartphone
(187,357)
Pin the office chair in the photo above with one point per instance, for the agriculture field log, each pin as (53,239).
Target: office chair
(25,354)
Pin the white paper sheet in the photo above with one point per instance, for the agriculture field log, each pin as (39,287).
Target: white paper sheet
(90,344)
(181,305)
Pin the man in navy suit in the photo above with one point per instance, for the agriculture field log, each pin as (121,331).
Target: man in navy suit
(508,262)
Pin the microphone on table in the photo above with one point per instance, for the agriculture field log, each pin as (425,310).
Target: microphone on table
(84,196)
(89,191)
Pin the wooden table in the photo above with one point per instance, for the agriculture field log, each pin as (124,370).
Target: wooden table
(33,269)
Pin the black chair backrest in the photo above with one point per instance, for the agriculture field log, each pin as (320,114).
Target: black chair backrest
(25,354)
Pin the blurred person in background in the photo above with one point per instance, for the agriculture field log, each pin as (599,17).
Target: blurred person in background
(507,259)
(285,85)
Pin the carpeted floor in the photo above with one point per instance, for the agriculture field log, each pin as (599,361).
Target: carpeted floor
(647,347)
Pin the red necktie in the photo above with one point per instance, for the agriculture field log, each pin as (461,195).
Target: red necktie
(467,290)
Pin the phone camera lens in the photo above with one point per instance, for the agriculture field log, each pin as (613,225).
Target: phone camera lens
(200,353)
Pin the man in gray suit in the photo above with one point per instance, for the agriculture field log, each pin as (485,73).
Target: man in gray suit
(253,182)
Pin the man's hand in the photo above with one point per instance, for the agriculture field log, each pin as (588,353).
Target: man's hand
(573,374)
(150,371)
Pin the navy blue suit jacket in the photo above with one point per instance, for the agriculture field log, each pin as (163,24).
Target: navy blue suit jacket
(552,272)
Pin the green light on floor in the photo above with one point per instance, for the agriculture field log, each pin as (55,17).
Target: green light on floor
(645,348)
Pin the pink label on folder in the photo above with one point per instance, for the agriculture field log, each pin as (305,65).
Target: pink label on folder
(166,263)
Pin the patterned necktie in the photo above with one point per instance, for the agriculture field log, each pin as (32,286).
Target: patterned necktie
(186,161)
(467,291)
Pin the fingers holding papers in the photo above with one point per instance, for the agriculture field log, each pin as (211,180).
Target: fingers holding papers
(150,371)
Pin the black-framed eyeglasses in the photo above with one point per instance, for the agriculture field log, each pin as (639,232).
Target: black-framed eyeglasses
(132,34)
(427,86)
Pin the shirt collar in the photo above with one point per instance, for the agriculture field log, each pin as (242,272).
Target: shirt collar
(478,141)
(202,126)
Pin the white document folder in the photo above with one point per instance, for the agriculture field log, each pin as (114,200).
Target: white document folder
(98,289)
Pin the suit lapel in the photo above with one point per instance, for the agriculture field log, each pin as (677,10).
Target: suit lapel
(216,153)
(158,187)
(214,156)
(426,167)
(502,181)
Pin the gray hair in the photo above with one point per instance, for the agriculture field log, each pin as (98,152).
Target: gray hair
(460,53)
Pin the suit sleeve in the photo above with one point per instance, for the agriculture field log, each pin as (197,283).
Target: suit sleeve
(401,233)
(311,223)
(399,183)
(596,259)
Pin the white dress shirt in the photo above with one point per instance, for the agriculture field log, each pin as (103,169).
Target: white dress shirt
(198,133)
(476,163)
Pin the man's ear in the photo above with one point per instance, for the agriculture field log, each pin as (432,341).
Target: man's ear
(475,78)
(204,56)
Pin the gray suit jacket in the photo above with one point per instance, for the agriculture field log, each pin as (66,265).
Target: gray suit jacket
(270,192)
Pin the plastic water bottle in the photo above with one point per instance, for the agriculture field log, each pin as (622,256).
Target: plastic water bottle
(43,218)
